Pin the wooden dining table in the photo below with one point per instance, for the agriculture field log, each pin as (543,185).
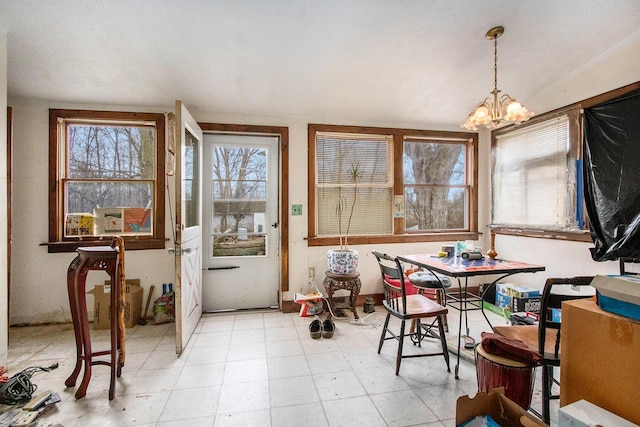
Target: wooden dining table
(459,268)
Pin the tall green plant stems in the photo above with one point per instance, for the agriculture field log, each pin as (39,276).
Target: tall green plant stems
(354,173)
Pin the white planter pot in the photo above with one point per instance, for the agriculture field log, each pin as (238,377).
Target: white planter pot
(342,262)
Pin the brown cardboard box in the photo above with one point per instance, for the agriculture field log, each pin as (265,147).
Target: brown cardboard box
(599,361)
(495,404)
(102,304)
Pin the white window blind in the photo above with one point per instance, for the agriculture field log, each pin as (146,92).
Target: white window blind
(533,183)
(336,154)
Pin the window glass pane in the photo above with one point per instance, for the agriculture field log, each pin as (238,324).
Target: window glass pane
(371,214)
(436,191)
(239,201)
(336,156)
(435,208)
(434,163)
(533,179)
(86,196)
(111,152)
(114,207)
(190,184)
(367,199)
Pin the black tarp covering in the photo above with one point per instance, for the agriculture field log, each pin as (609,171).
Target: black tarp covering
(611,171)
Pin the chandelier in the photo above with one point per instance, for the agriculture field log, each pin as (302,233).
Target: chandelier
(494,109)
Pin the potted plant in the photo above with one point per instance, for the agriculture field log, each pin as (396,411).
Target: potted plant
(345,260)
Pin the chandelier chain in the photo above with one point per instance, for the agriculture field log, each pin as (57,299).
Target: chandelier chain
(495,63)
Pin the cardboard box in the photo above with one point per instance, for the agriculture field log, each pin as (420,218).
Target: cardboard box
(599,361)
(531,304)
(517,297)
(102,304)
(495,404)
(586,414)
(518,291)
(502,300)
(619,294)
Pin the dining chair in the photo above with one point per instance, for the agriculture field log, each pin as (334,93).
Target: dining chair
(404,306)
(545,336)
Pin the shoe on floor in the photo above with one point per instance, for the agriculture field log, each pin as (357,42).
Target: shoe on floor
(315,329)
(328,327)
(469,342)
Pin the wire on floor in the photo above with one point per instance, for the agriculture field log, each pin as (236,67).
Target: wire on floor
(19,388)
(357,322)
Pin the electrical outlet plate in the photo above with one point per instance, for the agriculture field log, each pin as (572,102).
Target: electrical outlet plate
(312,272)
(296,209)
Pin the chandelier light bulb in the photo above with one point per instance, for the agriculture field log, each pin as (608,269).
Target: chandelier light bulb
(492,111)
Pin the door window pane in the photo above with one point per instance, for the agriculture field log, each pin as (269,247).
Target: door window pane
(239,183)
(190,184)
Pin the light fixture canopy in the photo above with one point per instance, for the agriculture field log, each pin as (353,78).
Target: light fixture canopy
(495,109)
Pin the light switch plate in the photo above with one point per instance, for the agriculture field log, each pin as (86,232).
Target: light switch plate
(296,209)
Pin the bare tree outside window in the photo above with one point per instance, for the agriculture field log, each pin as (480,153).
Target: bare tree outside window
(106,175)
(239,200)
(109,166)
(434,182)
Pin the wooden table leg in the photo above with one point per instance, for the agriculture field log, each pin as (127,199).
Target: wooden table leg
(355,291)
(72,272)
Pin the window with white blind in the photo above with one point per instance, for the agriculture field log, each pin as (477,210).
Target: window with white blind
(353,170)
(411,186)
(535,182)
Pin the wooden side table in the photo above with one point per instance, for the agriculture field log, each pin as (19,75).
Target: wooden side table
(333,282)
(111,260)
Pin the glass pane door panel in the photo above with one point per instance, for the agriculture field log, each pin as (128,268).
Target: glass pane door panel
(239,201)
(190,181)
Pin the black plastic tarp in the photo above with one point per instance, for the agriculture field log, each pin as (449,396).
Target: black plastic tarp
(611,170)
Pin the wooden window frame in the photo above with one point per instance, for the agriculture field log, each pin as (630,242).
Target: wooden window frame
(399,235)
(57,241)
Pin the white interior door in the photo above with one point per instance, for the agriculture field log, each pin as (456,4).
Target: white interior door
(241,214)
(188,249)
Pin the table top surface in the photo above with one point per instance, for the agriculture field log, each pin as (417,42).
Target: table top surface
(459,267)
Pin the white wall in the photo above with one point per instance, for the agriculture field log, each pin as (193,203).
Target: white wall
(3,199)
(38,278)
(38,286)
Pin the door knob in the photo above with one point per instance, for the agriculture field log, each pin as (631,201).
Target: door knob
(274,225)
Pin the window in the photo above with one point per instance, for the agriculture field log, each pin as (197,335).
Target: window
(535,181)
(107,169)
(436,189)
(413,185)
(370,155)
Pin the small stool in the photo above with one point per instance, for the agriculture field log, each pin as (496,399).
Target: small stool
(497,371)
(430,282)
(334,281)
(111,260)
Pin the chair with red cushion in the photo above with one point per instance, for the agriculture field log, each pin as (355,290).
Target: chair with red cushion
(404,306)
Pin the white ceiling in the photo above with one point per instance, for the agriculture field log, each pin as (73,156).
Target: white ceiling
(368,61)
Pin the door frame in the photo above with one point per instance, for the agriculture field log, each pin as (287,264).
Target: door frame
(283,193)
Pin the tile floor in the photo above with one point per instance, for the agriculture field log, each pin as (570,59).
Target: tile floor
(251,369)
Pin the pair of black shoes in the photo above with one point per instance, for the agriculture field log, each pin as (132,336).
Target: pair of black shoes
(324,329)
